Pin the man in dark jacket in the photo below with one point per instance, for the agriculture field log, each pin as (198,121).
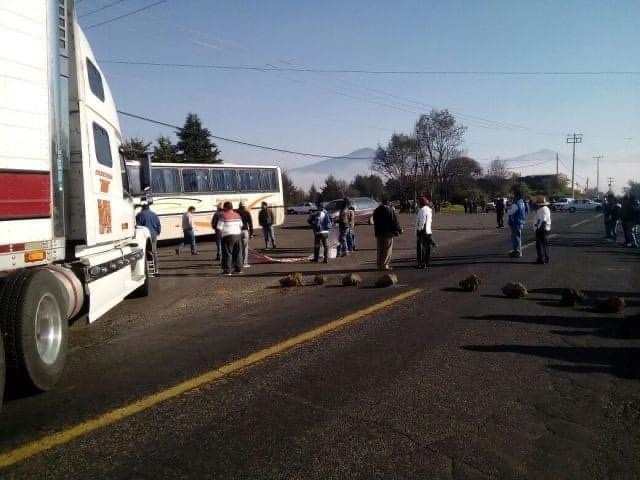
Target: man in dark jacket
(147,218)
(265,219)
(629,217)
(500,208)
(214,224)
(386,227)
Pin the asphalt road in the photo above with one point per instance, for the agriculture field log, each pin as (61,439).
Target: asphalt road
(439,384)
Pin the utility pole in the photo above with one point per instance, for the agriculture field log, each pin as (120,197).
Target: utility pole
(575,138)
(587,184)
(597,158)
(557,170)
(610,181)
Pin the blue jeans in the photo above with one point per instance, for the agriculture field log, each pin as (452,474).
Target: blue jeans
(344,238)
(189,239)
(351,240)
(268,236)
(613,230)
(516,239)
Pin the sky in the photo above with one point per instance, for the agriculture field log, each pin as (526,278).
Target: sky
(334,114)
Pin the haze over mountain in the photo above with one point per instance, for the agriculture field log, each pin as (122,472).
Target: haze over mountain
(539,162)
(346,168)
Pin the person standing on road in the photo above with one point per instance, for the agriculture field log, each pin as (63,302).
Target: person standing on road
(230,230)
(614,218)
(345,220)
(517,219)
(320,221)
(386,227)
(147,218)
(500,208)
(424,218)
(466,205)
(607,205)
(351,241)
(214,224)
(629,216)
(189,236)
(542,227)
(247,232)
(265,219)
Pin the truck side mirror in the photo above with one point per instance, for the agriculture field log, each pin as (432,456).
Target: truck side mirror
(145,173)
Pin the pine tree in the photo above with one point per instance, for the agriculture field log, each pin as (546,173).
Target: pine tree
(165,151)
(195,145)
(313,193)
(134,148)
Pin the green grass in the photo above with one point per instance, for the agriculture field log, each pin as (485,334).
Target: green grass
(453,209)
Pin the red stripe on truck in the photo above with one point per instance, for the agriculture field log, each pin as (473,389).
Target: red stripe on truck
(25,194)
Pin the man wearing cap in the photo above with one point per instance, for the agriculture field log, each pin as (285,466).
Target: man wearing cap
(517,219)
(423,233)
(247,232)
(542,227)
(147,218)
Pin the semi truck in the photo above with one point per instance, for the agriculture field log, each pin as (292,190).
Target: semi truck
(69,245)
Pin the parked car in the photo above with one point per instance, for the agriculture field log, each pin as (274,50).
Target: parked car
(558,204)
(582,205)
(306,207)
(363,207)
(490,207)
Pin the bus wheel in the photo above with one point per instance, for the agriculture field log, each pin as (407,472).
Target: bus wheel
(35,327)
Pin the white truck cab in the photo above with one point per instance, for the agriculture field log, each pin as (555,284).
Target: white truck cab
(69,245)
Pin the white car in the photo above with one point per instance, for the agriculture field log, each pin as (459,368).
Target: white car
(582,205)
(303,208)
(559,204)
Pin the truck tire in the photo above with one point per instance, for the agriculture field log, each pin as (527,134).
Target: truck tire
(2,371)
(35,329)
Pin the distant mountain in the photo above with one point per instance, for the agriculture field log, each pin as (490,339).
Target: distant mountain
(346,168)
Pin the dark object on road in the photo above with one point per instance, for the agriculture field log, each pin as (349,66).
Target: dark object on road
(292,280)
(571,297)
(611,304)
(387,280)
(351,280)
(320,280)
(471,283)
(514,290)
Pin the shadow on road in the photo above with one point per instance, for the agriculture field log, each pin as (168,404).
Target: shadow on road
(623,362)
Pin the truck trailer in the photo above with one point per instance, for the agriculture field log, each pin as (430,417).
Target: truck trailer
(69,245)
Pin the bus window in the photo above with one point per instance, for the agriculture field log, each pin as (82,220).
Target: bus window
(249,180)
(165,180)
(224,180)
(268,180)
(195,179)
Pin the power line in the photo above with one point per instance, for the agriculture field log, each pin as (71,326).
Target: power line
(101,8)
(133,12)
(247,144)
(377,72)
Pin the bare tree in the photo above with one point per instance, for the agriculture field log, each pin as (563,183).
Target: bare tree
(498,170)
(398,161)
(440,140)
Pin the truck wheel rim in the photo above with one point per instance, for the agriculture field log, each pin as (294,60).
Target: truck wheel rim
(48,329)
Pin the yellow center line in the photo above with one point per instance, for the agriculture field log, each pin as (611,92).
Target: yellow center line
(585,221)
(38,446)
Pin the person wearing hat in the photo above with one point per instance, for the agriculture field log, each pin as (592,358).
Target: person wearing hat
(247,232)
(542,227)
(423,233)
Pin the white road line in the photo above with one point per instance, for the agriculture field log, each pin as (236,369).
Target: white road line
(532,243)
(585,221)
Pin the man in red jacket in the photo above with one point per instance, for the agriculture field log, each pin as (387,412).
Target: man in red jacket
(229,229)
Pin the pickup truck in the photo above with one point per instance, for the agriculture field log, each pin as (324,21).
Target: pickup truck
(306,207)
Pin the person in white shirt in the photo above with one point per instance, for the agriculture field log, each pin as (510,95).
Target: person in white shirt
(188,232)
(423,233)
(542,227)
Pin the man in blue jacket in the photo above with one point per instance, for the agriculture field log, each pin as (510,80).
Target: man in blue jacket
(517,219)
(147,218)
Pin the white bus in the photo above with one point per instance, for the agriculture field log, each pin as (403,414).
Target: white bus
(177,186)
